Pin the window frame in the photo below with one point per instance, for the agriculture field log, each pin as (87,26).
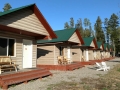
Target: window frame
(8,45)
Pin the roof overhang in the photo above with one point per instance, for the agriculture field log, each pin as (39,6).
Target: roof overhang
(22,32)
(79,36)
(41,18)
(43,21)
(64,43)
(95,43)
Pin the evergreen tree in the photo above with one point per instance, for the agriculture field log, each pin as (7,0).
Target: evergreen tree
(66,25)
(106,30)
(79,26)
(87,33)
(71,22)
(99,31)
(88,28)
(7,6)
(113,30)
(86,23)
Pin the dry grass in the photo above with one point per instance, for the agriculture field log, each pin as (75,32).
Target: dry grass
(110,81)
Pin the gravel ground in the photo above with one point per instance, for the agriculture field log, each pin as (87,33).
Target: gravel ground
(59,76)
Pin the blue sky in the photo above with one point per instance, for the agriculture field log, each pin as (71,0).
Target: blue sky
(57,12)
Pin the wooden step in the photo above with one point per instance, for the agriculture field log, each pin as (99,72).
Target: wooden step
(15,75)
(10,79)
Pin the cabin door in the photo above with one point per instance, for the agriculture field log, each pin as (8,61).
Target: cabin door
(27,53)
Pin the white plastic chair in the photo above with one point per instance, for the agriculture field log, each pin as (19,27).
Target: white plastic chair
(104,65)
(101,67)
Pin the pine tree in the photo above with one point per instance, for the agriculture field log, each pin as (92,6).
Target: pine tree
(71,22)
(66,25)
(99,31)
(7,6)
(79,26)
(88,29)
(106,30)
(113,24)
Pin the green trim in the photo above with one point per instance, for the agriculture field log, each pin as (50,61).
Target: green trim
(62,36)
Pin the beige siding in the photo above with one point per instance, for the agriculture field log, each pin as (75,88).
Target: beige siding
(98,54)
(19,45)
(92,44)
(91,55)
(101,47)
(76,54)
(74,38)
(57,53)
(45,55)
(24,20)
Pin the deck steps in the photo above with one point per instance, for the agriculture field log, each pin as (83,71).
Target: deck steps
(19,77)
(74,66)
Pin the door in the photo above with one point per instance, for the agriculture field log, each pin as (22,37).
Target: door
(27,53)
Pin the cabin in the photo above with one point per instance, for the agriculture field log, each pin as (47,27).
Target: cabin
(20,28)
(49,50)
(100,49)
(89,48)
(106,52)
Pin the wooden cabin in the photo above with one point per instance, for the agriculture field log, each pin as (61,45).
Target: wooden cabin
(20,28)
(49,50)
(86,51)
(90,46)
(106,52)
(100,49)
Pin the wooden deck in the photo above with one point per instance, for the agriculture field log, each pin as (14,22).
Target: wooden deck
(68,67)
(92,62)
(72,66)
(22,76)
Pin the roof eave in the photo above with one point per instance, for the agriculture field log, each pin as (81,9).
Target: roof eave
(44,22)
(79,36)
(21,32)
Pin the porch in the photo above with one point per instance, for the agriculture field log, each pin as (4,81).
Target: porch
(9,78)
(63,67)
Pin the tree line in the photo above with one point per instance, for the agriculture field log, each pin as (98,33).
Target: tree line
(107,31)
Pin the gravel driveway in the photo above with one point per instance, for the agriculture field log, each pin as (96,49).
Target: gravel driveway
(59,76)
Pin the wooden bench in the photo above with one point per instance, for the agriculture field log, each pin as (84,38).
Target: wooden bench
(6,64)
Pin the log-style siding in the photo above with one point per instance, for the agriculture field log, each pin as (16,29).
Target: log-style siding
(45,55)
(57,53)
(76,54)
(74,38)
(92,44)
(19,47)
(24,20)
(91,55)
(101,47)
(98,54)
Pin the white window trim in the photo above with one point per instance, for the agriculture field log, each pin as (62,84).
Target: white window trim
(14,45)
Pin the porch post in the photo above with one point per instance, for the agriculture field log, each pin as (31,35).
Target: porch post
(87,57)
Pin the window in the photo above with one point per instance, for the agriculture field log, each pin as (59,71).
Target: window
(7,47)
(61,51)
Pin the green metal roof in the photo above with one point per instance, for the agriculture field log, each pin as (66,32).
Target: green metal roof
(87,41)
(105,46)
(13,10)
(99,44)
(62,35)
